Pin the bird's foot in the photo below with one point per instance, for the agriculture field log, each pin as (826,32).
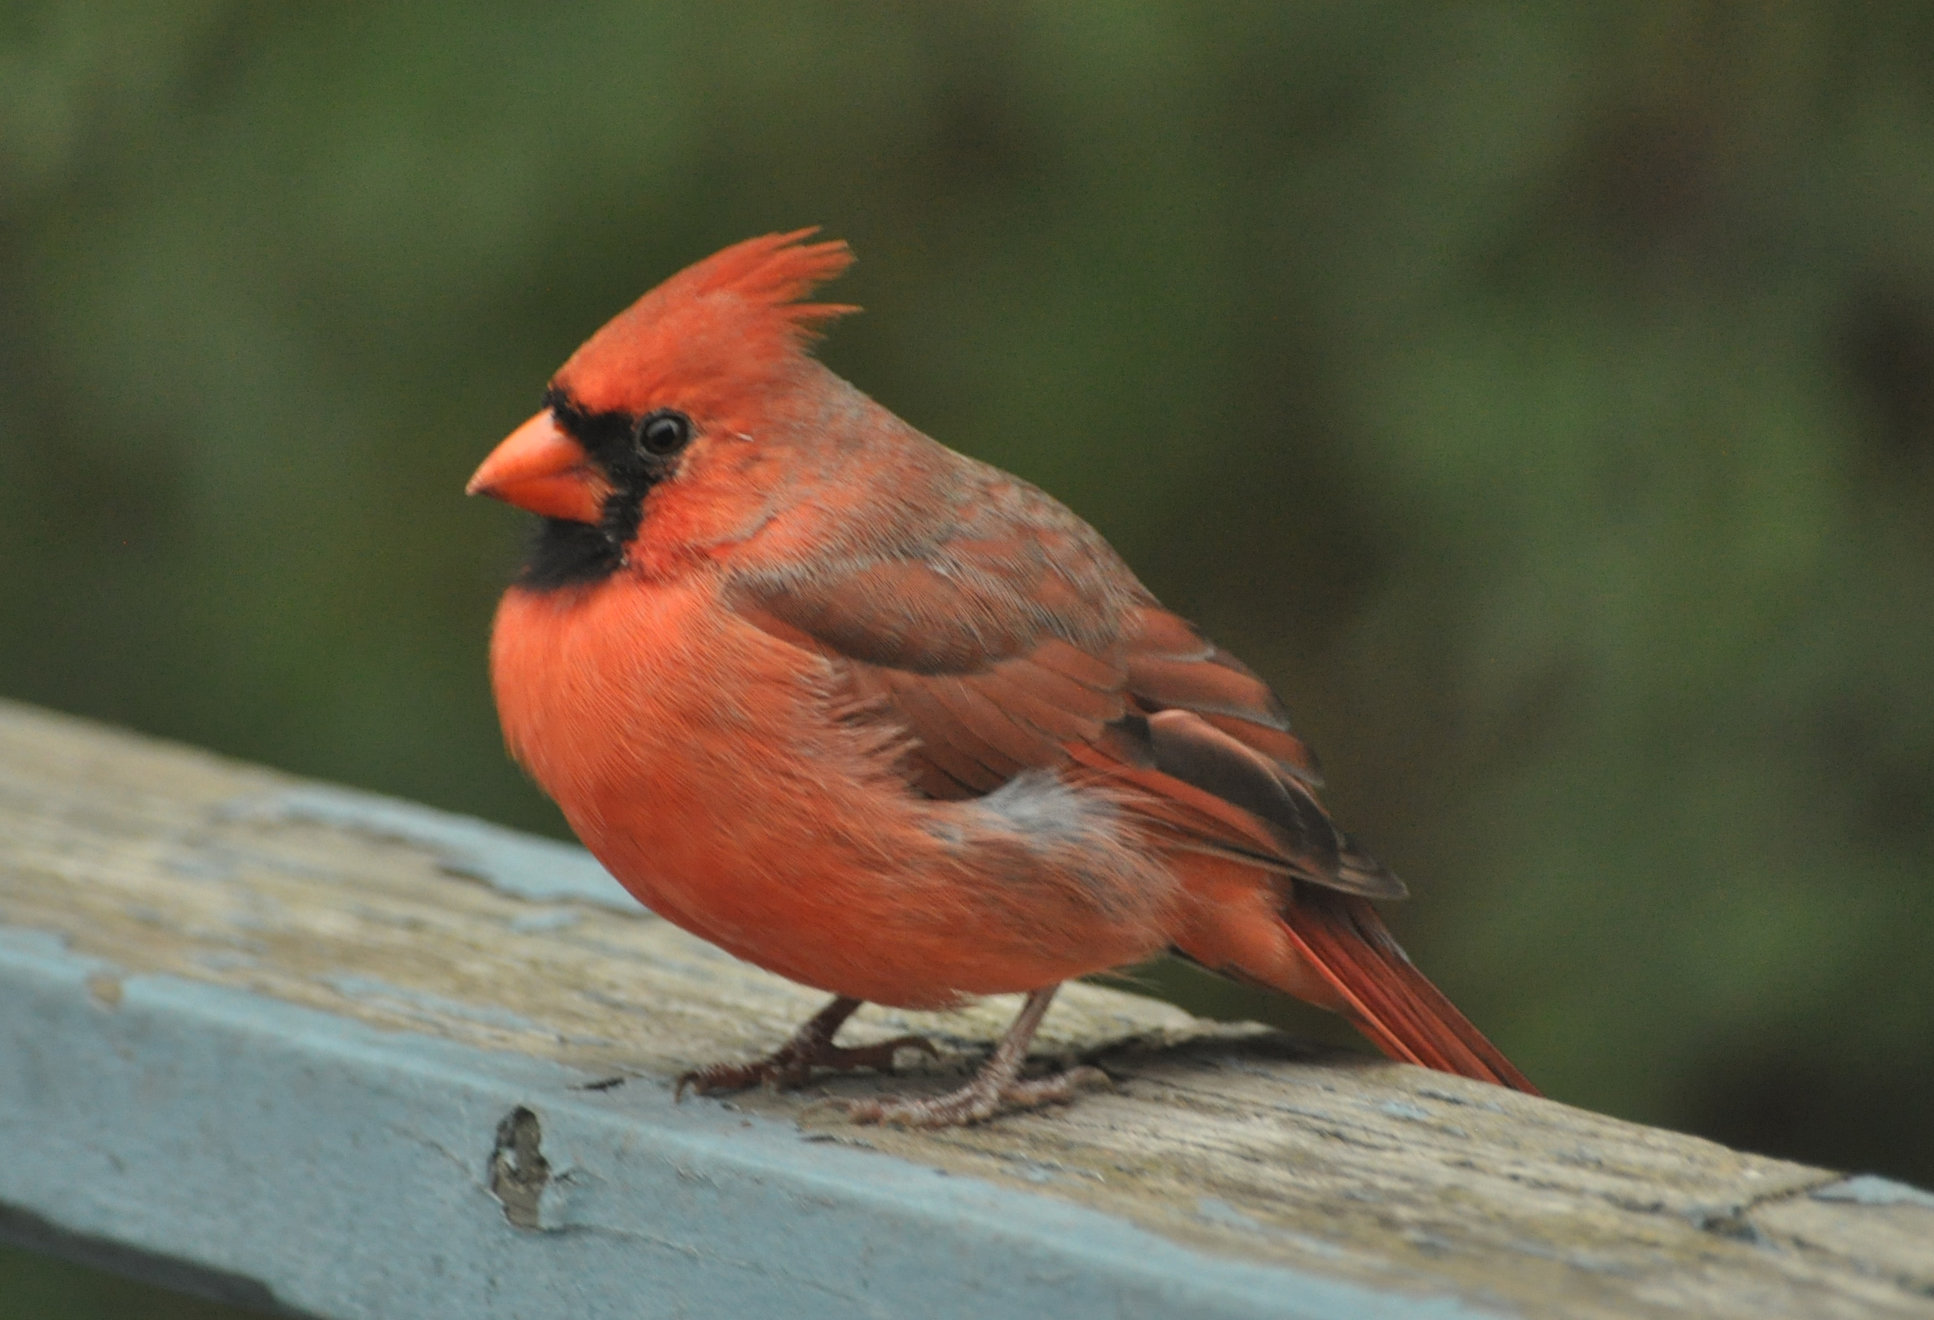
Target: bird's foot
(792,1064)
(789,1067)
(984,1097)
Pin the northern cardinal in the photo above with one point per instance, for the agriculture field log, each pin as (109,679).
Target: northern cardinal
(890,722)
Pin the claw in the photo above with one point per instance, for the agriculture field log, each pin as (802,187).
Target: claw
(792,1064)
(980,1099)
(996,1089)
(879,1056)
(788,1068)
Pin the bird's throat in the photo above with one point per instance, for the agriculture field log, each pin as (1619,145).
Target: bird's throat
(567,554)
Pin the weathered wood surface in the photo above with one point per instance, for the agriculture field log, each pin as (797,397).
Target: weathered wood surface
(183,884)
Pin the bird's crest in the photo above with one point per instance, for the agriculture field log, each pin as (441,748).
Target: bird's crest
(723,324)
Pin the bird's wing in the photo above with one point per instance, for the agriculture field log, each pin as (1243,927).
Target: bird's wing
(1021,641)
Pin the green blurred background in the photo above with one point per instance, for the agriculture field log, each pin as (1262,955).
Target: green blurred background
(1542,396)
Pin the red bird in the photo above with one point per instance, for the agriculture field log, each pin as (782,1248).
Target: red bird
(890,722)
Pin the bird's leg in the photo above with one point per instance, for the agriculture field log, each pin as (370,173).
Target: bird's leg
(995,1089)
(792,1064)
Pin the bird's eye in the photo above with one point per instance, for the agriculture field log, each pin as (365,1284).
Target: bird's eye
(664,432)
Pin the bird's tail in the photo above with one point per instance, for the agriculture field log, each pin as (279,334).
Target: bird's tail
(1343,939)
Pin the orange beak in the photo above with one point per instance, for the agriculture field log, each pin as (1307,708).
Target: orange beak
(540,468)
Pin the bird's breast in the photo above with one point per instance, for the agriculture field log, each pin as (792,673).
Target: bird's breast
(698,757)
(649,714)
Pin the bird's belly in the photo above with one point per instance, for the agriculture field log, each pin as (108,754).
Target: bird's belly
(697,758)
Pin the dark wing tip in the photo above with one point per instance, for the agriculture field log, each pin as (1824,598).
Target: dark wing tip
(1360,873)
(1188,747)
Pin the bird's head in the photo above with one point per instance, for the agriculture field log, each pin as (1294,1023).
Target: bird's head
(683,410)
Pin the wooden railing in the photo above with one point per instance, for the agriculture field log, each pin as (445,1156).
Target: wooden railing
(307,1048)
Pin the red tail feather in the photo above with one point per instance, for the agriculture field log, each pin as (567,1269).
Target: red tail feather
(1388,999)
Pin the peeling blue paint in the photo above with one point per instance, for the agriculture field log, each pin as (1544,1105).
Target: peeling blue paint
(518,864)
(421,1004)
(1872,1189)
